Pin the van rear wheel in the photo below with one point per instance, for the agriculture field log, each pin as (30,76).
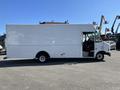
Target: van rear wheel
(42,57)
(100,56)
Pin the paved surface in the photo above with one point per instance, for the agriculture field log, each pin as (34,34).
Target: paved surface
(61,74)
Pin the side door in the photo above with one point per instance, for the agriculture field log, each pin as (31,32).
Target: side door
(88,44)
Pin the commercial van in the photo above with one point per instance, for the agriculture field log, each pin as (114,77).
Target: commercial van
(46,41)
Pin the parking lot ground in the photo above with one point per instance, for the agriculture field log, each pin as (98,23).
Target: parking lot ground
(60,74)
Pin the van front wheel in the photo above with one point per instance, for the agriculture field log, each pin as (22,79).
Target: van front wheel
(100,56)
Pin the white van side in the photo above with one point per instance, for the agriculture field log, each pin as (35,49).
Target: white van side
(49,41)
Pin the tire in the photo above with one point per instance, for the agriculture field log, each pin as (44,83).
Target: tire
(42,57)
(100,56)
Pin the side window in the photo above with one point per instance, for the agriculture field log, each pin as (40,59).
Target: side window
(88,36)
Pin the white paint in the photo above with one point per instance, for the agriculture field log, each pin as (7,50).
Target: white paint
(102,46)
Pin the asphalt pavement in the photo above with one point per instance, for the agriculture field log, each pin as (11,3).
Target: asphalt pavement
(61,74)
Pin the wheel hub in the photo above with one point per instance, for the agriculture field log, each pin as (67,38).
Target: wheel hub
(42,58)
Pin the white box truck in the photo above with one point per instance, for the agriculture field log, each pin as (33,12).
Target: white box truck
(46,41)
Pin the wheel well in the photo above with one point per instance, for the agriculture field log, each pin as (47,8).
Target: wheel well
(102,52)
(42,53)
